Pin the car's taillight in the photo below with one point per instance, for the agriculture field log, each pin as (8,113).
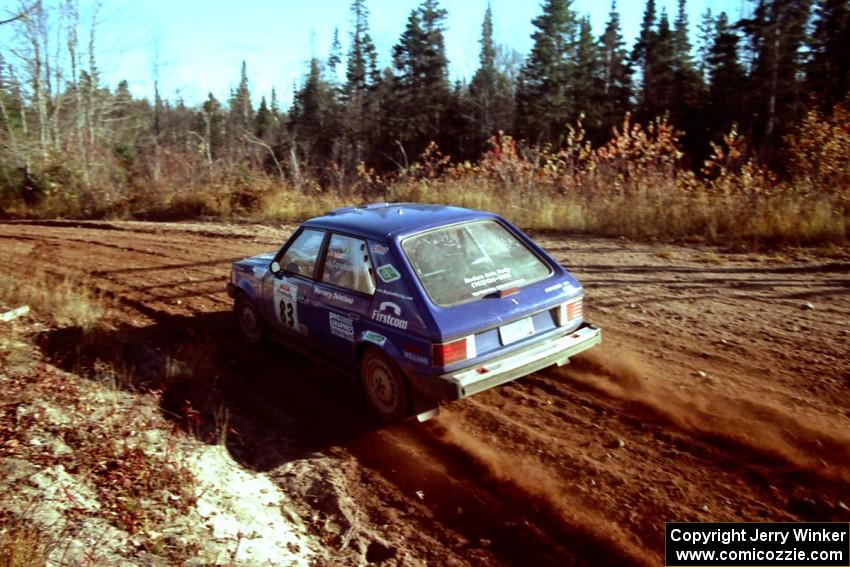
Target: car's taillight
(444,354)
(570,311)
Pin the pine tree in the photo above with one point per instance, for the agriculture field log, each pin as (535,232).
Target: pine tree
(435,67)
(241,116)
(643,54)
(310,116)
(776,33)
(726,75)
(688,95)
(616,74)
(359,120)
(683,61)
(357,69)
(828,69)
(335,57)
(543,105)
(659,88)
(490,94)
(405,123)
(420,89)
(706,39)
(274,106)
(263,121)
(586,85)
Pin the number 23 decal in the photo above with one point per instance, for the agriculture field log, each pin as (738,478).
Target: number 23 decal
(286,306)
(287,309)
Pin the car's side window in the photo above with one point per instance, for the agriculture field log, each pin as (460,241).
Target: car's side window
(347,265)
(300,258)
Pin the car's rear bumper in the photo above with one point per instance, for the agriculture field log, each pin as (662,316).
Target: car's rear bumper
(480,377)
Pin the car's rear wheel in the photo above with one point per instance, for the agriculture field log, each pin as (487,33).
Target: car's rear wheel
(250,324)
(385,386)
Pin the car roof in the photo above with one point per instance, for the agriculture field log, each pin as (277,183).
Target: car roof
(385,220)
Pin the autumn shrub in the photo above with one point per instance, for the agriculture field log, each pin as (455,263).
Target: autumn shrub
(818,151)
(637,186)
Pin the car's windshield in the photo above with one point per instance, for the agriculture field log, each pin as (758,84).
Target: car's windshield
(462,262)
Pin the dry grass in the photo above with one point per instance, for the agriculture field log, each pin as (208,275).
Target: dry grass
(780,218)
(636,186)
(64,301)
(21,546)
(14,348)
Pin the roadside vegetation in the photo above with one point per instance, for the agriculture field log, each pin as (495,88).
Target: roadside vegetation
(635,185)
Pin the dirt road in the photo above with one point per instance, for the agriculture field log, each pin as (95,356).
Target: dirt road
(721,392)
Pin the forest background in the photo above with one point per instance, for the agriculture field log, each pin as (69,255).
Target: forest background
(738,133)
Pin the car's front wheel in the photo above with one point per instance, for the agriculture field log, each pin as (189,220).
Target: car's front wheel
(385,386)
(250,324)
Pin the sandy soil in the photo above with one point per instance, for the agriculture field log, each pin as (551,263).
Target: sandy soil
(720,393)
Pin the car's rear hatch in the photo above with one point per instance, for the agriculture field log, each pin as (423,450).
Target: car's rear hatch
(491,290)
(497,324)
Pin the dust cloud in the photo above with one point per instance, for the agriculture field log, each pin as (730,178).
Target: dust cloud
(767,434)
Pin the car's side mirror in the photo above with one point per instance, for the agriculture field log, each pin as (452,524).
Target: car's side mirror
(290,269)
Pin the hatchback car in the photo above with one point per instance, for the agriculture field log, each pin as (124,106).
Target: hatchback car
(423,303)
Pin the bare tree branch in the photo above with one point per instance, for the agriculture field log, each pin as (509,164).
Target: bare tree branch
(23,14)
(255,140)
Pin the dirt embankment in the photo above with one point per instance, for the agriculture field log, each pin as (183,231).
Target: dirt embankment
(720,393)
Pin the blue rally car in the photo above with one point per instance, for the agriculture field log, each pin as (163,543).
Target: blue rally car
(425,303)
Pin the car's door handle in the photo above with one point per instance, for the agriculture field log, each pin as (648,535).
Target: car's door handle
(302,298)
(354,316)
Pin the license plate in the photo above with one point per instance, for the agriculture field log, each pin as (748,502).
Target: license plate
(518,330)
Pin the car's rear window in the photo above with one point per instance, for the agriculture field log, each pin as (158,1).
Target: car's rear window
(462,262)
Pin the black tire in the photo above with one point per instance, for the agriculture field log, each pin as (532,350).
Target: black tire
(248,320)
(385,386)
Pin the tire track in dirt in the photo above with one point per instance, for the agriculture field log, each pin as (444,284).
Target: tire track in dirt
(120,262)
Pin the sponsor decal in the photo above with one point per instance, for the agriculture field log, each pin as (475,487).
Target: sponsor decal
(374,337)
(341,326)
(286,304)
(418,358)
(334,296)
(389,313)
(379,249)
(388,273)
(566,286)
(515,283)
(488,278)
(394,294)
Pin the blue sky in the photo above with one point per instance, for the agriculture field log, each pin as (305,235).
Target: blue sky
(201,44)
